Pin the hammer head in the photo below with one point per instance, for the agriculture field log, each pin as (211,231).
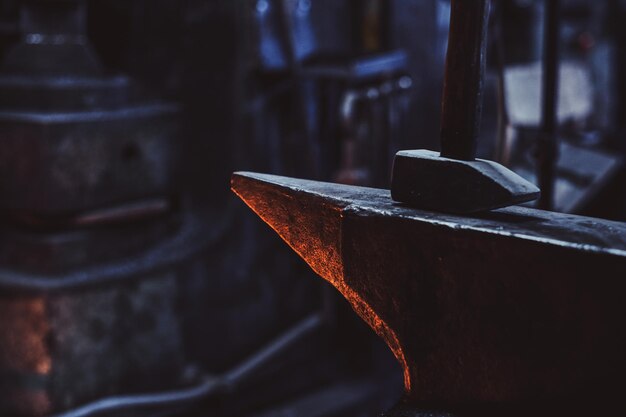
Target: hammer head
(426,180)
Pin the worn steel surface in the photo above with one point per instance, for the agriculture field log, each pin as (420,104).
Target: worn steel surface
(515,305)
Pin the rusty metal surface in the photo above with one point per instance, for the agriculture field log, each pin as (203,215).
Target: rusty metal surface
(76,328)
(516,305)
(25,352)
(59,351)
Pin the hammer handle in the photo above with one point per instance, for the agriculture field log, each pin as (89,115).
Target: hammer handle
(463,84)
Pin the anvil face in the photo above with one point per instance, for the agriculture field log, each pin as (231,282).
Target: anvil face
(516,305)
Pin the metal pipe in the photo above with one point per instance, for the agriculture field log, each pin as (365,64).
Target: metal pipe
(171,399)
(274,350)
(209,385)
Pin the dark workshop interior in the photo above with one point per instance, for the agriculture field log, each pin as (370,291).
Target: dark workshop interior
(135,283)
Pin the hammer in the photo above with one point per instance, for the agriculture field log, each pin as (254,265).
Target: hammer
(455,181)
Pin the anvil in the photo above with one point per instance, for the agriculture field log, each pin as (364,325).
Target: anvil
(515,306)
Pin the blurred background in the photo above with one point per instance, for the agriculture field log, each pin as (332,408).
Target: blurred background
(126,265)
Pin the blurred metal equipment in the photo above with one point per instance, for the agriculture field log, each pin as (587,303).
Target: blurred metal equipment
(88,301)
(171,402)
(106,307)
(76,138)
(561,111)
(351,103)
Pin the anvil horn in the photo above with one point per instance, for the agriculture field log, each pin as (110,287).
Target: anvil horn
(515,305)
(307,215)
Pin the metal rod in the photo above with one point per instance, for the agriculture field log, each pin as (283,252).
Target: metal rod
(260,360)
(115,405)
(209,385)
(464,78)
(548,142)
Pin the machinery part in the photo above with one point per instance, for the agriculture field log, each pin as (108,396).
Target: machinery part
(58,251)
(75,138)
(441,179)
(53,41)
(60,164)
(297,30)
(193,237)
(370,118)
(85,160)
(94,329)
(58,351)
(581,175)
(90,264)
(517,306)
(371,67)
(21,93)
(134,403)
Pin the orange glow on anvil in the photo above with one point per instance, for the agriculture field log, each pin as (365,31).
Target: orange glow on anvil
(318,243)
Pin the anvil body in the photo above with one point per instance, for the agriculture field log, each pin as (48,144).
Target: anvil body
(513,306)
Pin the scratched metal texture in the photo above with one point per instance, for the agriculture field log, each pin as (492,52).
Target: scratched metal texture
(513,306)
